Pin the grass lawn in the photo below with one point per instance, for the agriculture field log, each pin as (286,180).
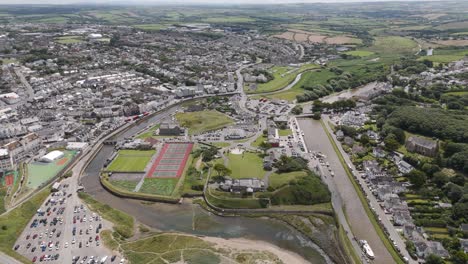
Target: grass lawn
(16,220)
(126,185)
(148,133)
(279,179)
(3,192)
(360,53)
(160,186)
(41,172)
(246,165)
(282,76)
(69,39)
(203,121)
(258,141)
(284,132)
(131,160)
(220,144)
(123,223)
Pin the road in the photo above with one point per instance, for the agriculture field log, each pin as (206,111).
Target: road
(7,259)
(26,84)
(393,234)
(344,194)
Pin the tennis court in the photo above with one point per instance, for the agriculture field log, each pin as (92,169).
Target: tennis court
(171,161)
(8,178)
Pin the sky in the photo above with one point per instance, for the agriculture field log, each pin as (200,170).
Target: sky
(182,1)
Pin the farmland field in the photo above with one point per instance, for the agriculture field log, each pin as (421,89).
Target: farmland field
(360,53)
(446,55)
(393,45)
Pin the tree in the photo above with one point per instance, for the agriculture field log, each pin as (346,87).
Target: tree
(440,179)
(391,142)
(264,146)
(297,110)
(434,259)
(222,170)
(417,178)
(364,139)
(454,192)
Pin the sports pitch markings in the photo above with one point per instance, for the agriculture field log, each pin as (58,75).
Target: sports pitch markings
(171,161)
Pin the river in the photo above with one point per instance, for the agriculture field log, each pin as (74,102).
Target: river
(192,219)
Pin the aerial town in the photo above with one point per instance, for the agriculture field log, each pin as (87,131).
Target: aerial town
(133,135)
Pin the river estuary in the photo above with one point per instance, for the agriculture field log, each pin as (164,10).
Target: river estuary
(192,219)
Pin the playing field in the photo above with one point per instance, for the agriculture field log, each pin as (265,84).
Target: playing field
(246,165)
(171,161)
(41,172)
(131,160)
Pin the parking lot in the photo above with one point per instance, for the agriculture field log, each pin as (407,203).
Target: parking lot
(64,230)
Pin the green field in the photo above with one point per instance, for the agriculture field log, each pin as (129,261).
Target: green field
(41,172)
(282,76)
(393,46)
(203,121)
(14,222)
(258,141)
(228,19)
(160,186)
(279,179)
(69,39)
(125,185)
(131,160)
(148,133)
(308,78)
(445,56)
(359,53)
(151,26)
(246,165)
(284,132)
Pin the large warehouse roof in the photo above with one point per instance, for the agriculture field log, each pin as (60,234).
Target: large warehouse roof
(53,155)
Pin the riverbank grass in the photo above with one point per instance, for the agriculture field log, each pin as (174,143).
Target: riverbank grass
(13,223)
(123,223)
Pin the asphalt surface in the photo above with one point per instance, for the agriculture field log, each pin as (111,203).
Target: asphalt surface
(59,238)
(347,198)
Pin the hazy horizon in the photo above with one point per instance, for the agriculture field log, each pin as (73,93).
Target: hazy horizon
(181,2)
